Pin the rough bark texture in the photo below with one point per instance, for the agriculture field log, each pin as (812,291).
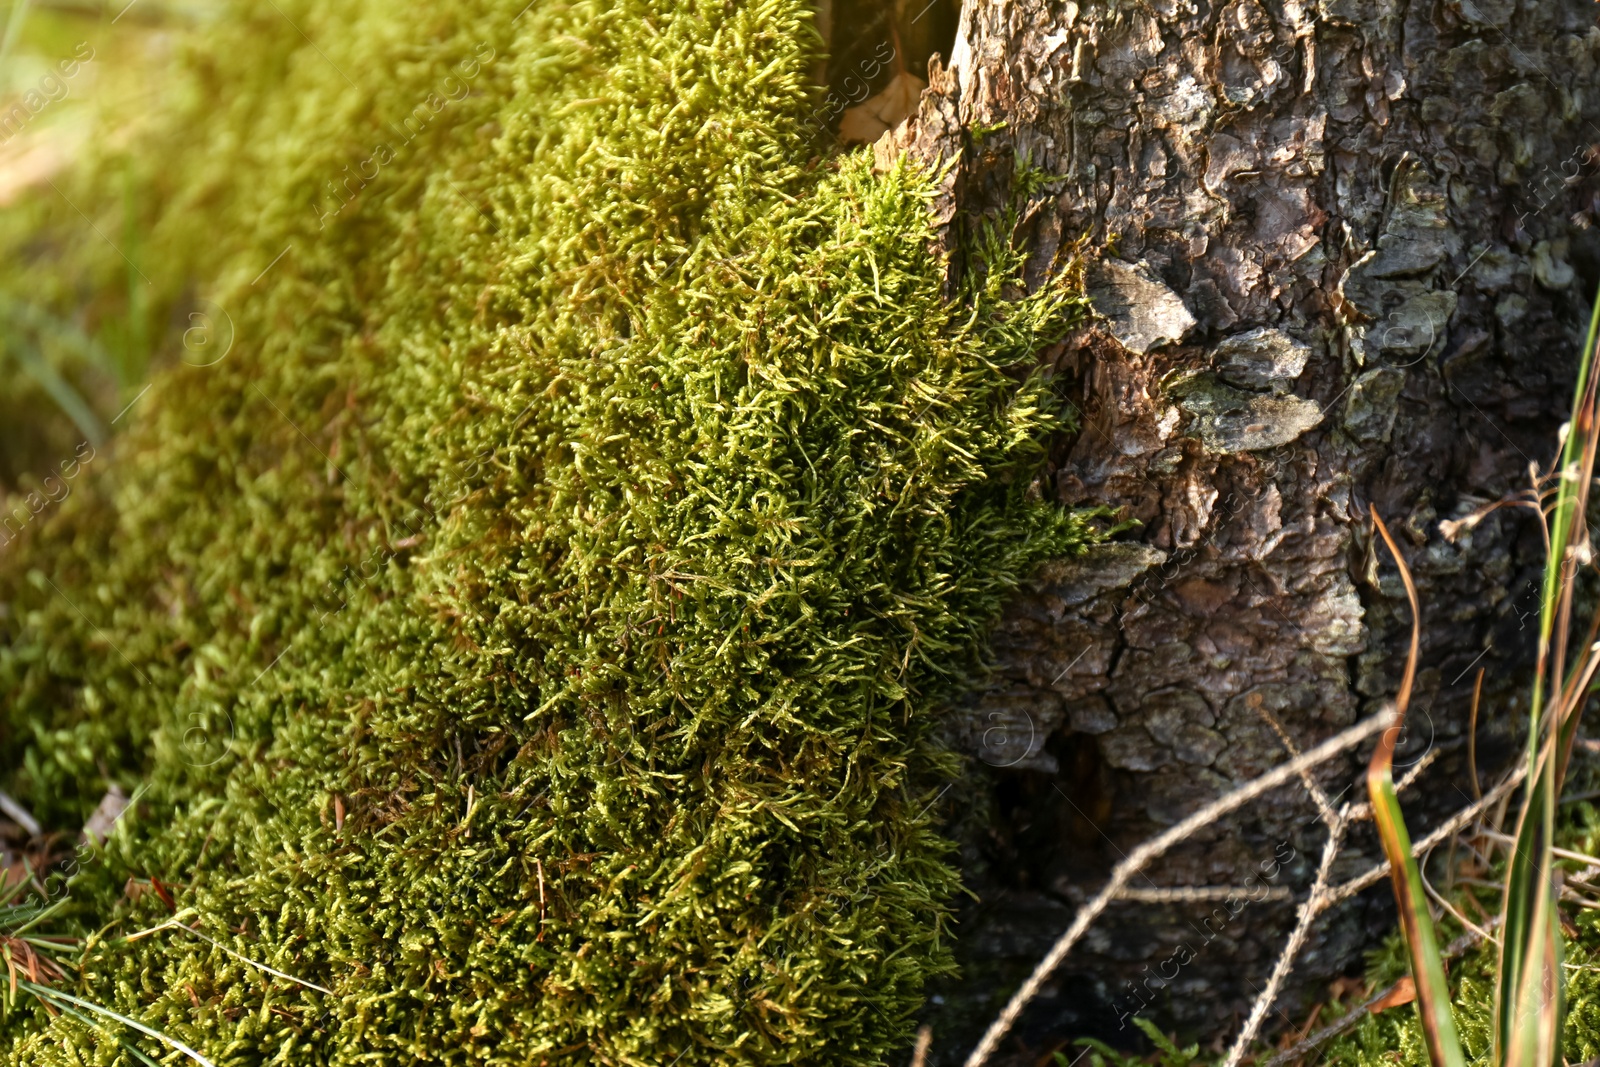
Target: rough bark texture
(1343,249)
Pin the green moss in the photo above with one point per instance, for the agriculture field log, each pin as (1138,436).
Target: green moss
(532,630)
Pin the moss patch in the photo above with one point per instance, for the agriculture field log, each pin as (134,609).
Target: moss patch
(531,629)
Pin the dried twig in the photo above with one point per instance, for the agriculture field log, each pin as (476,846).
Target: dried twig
(1338,824)
(1319,899)
(19,814)
(1380,871)
(1324,805)
(1309,910)
(1349,1021)
(1156,846)
(1200,894)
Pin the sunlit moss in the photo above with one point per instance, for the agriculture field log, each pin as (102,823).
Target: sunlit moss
(531,629)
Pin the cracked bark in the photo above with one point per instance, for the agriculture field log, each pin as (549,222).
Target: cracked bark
(1342,250)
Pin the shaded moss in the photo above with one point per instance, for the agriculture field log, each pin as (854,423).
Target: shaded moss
(531,630)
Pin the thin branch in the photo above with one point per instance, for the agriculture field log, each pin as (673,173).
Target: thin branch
(1320,798)
(1309,910)
(1317,900)
(1203,893)
(1460,819)
(1155,847)
(1350,1021)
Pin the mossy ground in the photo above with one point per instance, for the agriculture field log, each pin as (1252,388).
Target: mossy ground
(531,629)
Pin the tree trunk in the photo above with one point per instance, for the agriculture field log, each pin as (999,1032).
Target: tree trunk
(1343,253)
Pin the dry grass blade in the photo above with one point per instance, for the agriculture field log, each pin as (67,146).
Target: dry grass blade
(1457,822)
(31,967)
(1433,992)
(28,956)
(1472,736)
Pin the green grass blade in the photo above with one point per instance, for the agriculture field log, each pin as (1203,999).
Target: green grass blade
(1528,998)
(1566,522)
(61,391)
(133,1050)
(56,997)
(14,24)
(1529,994)
(1569,527)
(38,917)
(38,366)
(1416,922)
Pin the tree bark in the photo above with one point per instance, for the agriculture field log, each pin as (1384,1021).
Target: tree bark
(1343,251)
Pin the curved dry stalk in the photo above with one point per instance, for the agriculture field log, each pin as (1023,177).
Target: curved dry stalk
(1472,735)
(1416,921)
(1455,912)
(1450,528)
(1376,873)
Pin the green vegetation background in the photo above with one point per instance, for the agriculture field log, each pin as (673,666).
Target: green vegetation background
(532,628)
